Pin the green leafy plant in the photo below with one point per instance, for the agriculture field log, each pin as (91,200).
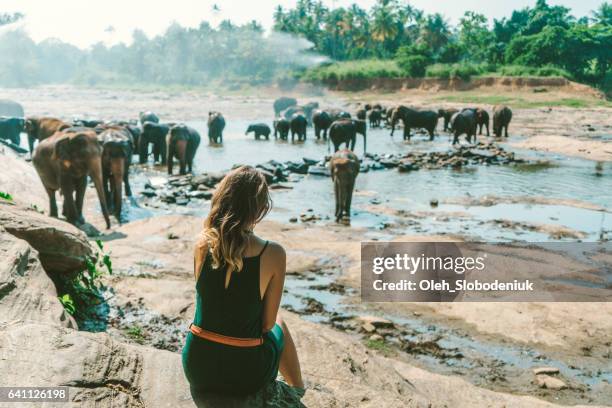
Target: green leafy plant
(85,289)
(68,303)
(6,196)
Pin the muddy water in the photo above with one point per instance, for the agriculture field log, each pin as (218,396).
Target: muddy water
(380,195)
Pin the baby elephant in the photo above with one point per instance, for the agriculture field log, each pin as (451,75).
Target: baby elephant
(182,143)
(502,115)
(281,128)
(344,168)
(259,129)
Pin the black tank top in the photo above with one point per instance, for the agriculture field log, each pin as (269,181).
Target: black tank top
(233,311)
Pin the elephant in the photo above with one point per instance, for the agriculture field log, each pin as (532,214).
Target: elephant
(11,109)
(216,124)
(482,120)
(361,114)
(259,129)
(464,122)
(502,115)
(345,131)
(307,110)
(283,103)
(321,121)
(377,106)
(90,123)
(156,134)
(298,126)
(375,117)
(11,128)
(336,114)
(148,117)
(63,162)
(367,107)
(182,143)
(40,128)
(281,127)
(413,118)
(447,114)
(117,149)
(292,110)
(344,168)
(135,131)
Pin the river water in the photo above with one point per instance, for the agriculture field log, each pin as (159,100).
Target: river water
(380,194)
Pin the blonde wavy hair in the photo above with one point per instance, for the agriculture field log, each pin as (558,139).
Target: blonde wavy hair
(240,201)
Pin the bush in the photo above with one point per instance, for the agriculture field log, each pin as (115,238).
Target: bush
(358,69)
(414,65)
(461,70)
(522,70)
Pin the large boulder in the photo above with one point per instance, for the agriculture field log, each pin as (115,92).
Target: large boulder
(26,292)
(62,248)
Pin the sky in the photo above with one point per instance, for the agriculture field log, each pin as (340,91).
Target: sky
(85,22)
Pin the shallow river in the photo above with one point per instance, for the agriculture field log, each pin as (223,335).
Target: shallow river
(379,193)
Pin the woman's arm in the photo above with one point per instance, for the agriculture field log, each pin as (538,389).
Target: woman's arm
(274,260)
(199,255)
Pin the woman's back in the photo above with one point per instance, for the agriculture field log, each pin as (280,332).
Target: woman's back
(235,310)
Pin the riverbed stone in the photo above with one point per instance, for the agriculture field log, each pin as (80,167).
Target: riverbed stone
(62,248)
(551,383)
(545,370)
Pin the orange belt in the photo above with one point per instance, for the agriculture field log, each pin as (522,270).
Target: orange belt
(227,340)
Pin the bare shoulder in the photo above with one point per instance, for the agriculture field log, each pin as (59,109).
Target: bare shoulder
(200,248)
(275,253)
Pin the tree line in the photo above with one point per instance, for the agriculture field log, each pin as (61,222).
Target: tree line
(538,36)
(392,30)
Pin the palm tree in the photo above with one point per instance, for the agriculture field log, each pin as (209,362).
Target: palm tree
(434,32)
(384,25)
(603,15)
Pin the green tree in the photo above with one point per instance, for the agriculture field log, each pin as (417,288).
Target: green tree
(475,39)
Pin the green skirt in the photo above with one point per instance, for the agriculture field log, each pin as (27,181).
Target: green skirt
(219,368)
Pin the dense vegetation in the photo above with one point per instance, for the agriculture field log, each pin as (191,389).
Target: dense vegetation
(543,40)
(392,39)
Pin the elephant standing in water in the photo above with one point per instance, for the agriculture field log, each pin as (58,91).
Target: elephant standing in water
(414,119)
(63,162)
(281,127)
(344,168)
(40,128)
(502,115)
(153,133)
(117,150)
(283,103)
(482,120)
(182,142)
(447,114)
(259,129)
(321,121)
(464,122)
(216,124)
(298,126)
(345,131)
(148,117)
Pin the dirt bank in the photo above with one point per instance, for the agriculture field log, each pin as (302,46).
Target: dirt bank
(508,84)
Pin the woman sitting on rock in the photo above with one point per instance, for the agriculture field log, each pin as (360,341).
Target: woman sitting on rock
(237,341)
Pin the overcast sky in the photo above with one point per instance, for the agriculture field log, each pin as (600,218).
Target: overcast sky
(84,22)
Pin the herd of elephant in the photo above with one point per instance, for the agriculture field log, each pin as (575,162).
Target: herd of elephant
(67,153)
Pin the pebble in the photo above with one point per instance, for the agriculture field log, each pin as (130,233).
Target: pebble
(376,337)
(545,370)
(551,383)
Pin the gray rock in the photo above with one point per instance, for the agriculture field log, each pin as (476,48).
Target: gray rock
(62,247)
(26,292)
